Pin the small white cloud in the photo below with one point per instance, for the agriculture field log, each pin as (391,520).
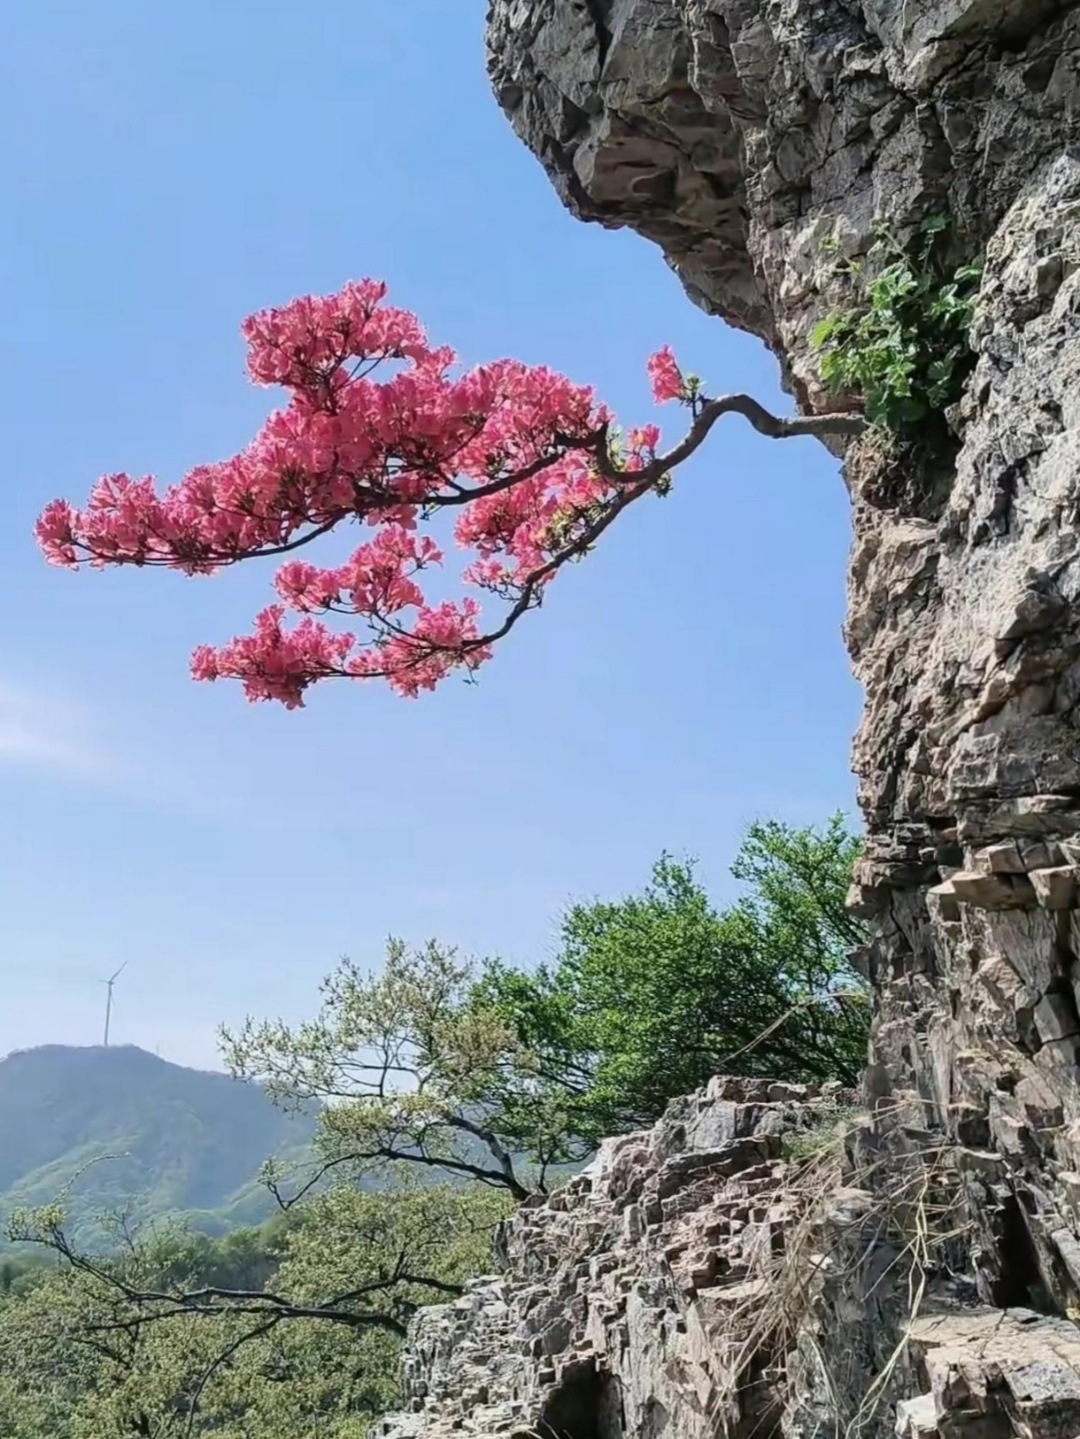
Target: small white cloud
(48,731)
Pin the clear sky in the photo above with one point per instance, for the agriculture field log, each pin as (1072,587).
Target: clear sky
(169,169)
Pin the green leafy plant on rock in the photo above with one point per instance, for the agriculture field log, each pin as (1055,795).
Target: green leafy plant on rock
(904,344)
(825,1138)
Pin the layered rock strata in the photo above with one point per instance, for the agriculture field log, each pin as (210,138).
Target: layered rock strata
(723,1274)
(754,142)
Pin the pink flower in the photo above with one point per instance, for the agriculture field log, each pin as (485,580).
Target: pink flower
(665,376)
(378,428)
(641,446)
(55,534)
(645,439)
(273,663)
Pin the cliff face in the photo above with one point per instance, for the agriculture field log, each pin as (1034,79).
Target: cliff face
(737,134)
(752,140)
(740,135)
(629,1297)
(724,1274)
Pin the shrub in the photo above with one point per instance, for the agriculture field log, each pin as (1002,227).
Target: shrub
(904,344)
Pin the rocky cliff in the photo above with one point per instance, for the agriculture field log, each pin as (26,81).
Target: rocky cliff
(722,1275)
(753,141)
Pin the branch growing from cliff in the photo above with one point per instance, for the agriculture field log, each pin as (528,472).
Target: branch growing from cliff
(529,462)
(628,485)
(772,426)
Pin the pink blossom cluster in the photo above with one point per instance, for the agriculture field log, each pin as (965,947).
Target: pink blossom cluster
(380,428)
(276,663)
(665,376)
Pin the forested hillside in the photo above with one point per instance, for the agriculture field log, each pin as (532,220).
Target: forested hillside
(119,1129)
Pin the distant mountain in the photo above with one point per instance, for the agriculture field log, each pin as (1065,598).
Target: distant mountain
(119,1129)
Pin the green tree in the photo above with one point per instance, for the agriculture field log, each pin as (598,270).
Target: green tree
(409,1069)
(145,1344)
(652,994)
(502,1075)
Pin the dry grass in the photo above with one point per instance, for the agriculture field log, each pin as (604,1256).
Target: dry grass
(914,1216)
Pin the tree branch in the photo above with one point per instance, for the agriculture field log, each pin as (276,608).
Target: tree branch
(452,495)
(152,1305)
(212,1368)
(766,423)
(498,1153)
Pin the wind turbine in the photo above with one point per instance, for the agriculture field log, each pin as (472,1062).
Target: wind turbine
(108,983)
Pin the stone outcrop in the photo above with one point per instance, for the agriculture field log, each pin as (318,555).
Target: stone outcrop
(740,134)
(629,1293)
(754,141)
(723,1274)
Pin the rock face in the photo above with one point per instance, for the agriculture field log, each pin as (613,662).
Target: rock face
(752,141)
(739,135)
(717,1276)
(628,1296)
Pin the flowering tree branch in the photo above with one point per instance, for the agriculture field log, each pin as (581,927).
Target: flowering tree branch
(530,462)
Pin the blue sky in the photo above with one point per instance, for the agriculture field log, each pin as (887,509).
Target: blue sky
(172,168)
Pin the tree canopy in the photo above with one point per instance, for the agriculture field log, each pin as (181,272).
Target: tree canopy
(652,994)
(163,1338)
(496,1074)
(411,1071)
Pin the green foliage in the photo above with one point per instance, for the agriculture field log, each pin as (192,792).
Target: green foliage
(18,1272)
(140,1343)
(428,1068)
(245,1258)
(903,345)
(825,1138)
(651,995)
(410,1071)
(506,1076)
(119,1129)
